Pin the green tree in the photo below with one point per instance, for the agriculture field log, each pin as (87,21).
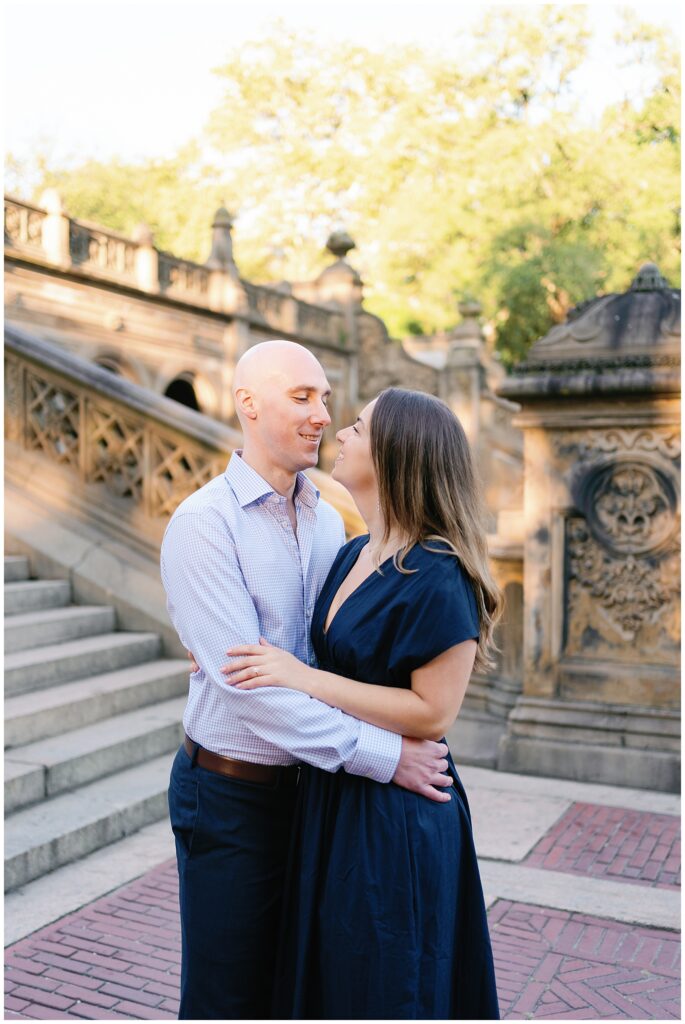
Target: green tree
(175,197)
(455,174)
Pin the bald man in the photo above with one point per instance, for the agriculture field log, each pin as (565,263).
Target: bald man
(244,557)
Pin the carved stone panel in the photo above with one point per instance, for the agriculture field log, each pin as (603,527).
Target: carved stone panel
(52,419)
(621,600)
(622,608)
(630,503)
(177,469)
(115,451)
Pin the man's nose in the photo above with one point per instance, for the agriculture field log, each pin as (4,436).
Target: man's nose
(321,415)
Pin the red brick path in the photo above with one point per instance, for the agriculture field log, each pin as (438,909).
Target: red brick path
(551,965)
(119,956)
(614,842)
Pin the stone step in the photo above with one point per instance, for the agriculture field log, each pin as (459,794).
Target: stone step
(55,832)
(26,671)
(54,625)
(32,595)
(35,716)
(47,767)
(69,888)
(16,568)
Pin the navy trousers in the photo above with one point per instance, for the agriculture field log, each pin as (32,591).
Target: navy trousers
(232,841)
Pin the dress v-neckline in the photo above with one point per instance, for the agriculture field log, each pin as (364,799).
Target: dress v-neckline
(327,625)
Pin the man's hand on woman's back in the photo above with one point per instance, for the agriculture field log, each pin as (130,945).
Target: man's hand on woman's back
(420,768)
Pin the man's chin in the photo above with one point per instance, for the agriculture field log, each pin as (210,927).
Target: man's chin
(307,461)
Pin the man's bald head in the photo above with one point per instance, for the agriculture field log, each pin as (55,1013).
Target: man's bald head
(271,359)
(280,392)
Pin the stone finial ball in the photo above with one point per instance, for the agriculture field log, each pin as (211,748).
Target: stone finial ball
(340,243)
(222,218)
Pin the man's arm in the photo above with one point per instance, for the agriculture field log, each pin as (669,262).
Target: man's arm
(211,609)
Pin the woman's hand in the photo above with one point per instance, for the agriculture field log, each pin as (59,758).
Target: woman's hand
(194,667)
(265,665)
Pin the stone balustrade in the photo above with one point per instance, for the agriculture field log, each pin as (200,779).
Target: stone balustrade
(146,451)
(49,234)
(97,250)
(23,225)
(183,278)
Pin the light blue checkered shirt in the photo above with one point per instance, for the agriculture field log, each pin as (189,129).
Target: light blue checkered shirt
(233,571)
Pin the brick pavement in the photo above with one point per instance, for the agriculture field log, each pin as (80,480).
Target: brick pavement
(118,957)
(552,965)
(613,842)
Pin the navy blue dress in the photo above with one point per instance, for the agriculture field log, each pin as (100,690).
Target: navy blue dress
(384,914)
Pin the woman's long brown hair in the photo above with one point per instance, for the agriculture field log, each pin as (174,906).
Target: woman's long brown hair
(429,491)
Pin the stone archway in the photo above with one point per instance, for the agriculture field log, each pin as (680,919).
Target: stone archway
(181,389)
(117,364)
(109,364)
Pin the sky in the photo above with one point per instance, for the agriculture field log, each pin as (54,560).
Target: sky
(132,78)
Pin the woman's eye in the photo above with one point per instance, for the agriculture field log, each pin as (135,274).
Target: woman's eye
(355,429)
(300,398)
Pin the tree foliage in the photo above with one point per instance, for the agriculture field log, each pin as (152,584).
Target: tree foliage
(467,173)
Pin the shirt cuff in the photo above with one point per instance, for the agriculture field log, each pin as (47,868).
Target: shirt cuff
(376,755)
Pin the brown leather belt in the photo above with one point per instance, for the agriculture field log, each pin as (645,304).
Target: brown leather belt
(247,770)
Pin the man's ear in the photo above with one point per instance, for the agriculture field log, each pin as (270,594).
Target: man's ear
(245,404)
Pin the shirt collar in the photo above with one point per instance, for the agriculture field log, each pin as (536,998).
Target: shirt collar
(305,491)
(249,486)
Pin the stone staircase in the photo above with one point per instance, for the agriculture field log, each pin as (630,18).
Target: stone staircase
(92,718)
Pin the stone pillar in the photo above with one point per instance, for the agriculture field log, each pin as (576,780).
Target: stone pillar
(341,286)
(463,374)
(340,283)
(55,229)
(600,413)
(225,292)
(147,260)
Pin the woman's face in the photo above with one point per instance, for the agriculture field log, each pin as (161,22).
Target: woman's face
(354,465)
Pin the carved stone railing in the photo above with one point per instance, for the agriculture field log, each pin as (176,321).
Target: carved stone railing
(23,225)
(105,252)
(183,278)
(51,236)
(312,321)
(146,452)
(266,303)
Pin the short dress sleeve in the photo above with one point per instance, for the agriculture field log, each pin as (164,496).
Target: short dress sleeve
(439,611)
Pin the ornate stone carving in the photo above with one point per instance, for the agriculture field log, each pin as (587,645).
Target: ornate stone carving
(177,469)
(106,440)
(658,441)
(115,452)
(630,505)
(631,591)
(622,556)
(52,419)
